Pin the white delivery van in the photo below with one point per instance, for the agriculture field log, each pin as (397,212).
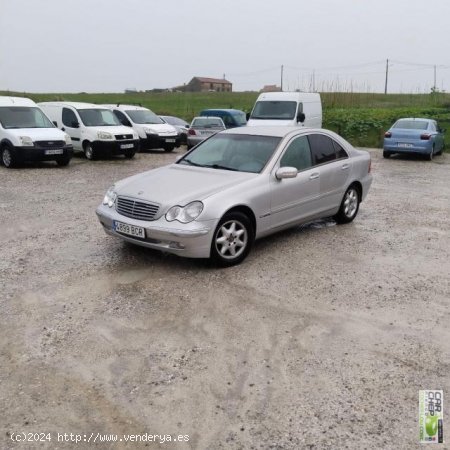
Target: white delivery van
(287,108)
(94,129)
(152,130)
(26,134)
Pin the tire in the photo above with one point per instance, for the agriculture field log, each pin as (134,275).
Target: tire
(232,239)
(9,159)
(168,149)
(349,206)
(430,155)
(441,150)
(63,161)
(89,152)
(386,154)
(129,154)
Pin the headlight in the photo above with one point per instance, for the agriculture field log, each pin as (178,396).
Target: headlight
(185,214)
(104,136)
(149,131)
(110,197)
(26,141)
(67,139)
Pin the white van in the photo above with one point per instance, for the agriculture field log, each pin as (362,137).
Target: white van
(152,130)
(287,108)
(26,134)
(94,129)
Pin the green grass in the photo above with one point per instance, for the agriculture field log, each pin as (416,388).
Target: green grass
(362,118)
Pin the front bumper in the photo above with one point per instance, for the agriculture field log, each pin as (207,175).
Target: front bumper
(192,240)
(160,141)
(116,147)
(395,146)
(38,153)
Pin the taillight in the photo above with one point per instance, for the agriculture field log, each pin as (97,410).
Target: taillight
(425,137)
(388,134)
(191,131)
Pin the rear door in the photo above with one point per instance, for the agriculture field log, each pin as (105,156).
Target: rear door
(334,167)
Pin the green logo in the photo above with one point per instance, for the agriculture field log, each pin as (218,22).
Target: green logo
(431,425)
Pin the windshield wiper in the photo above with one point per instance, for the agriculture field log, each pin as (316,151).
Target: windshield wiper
(218,166)
(192,163)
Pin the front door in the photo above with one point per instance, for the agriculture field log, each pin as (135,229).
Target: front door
(71,125)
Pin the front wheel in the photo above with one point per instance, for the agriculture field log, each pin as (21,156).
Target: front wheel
(386,154)
(9,159)
(168,149)
(63,161)
(349,206)
(89,151)
(129,154)
(232,239)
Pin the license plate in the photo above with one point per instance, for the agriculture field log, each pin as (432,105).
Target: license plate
(207,133)
(403,145)
(170,140)
(131,230)
(56,151)
(123,146)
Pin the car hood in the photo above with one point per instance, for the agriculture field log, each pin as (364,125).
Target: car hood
(179,185)
(119,129)
(39,134)
(160,128)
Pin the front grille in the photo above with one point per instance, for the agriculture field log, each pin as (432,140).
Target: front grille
(136,209)
(50,144)
(121,137)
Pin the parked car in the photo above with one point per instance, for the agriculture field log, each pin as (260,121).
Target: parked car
(94,129)
(27,134)
(180,125)
(152,130)
(237,186)
(202,128)
(231,117)
(414,135)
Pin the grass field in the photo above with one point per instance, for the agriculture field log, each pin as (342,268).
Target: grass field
(361,118)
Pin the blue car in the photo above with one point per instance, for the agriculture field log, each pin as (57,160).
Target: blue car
(413,135)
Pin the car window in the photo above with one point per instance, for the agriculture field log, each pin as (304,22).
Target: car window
(340,152)
(322,148)
(297,154)
(411,124)
(432,126)
(121,116)
(207,122)
(68,117)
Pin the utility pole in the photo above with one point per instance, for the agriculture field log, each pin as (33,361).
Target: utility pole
(282,78)
(387,73)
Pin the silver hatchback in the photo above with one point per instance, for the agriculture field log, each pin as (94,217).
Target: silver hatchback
(235,187)
(202,128)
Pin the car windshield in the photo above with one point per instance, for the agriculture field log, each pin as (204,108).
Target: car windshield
(97,117)
(207,122)
(23,117)
(411,124)
(174,121)
(144,116)
(237,152)
(240,118)
(274,110)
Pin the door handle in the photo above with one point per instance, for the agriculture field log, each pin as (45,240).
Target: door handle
(345,166)
(314,175)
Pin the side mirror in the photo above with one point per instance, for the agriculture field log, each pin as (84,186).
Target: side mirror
(55,123)
(247,116)
(286,172)
(301,117)
(75,124)
(187,126)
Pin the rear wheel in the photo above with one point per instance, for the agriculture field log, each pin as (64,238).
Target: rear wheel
(349,205)
(429,156)
(386,154)
(89,151)
(9,159)
(232,239)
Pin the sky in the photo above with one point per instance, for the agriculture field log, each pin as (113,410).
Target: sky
(323,45)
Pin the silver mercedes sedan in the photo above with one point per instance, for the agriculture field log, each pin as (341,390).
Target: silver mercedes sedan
(237,186)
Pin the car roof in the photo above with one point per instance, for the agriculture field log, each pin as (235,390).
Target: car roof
(416,118)
(76,105)
(16,101)
(277,131)
(230,110)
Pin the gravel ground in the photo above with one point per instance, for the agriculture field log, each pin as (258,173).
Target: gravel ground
(321,339)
